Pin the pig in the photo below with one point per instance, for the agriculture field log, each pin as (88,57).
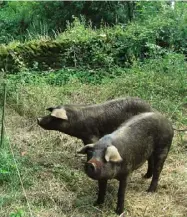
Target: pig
(147,136)
(90,123)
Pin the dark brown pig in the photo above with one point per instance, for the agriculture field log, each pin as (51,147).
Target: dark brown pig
(90,123)
(147,136)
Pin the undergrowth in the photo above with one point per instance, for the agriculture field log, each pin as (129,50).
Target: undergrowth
(161,81)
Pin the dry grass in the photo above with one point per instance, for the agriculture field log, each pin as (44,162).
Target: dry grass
(56,185)
(53,176)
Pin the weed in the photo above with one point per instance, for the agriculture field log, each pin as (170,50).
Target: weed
(18,213)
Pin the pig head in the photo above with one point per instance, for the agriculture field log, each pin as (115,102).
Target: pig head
(55,121)
(102,162)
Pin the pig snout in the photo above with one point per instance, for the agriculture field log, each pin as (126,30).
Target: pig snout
(39,120)
(93,169)
(42,122)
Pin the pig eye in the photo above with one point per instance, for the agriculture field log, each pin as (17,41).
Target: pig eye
(89,154)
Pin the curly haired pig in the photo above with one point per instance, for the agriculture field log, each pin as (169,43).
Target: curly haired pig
(91,122)
(147,136)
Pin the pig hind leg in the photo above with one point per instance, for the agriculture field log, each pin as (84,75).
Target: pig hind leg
(150,168)
(159,158)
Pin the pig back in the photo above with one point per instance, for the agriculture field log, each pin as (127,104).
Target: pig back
(140,136)
(108,116)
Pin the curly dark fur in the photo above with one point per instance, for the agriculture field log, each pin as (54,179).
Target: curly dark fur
(91,122)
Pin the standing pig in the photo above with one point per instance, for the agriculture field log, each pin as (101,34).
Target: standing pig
(90,123)
(147,136)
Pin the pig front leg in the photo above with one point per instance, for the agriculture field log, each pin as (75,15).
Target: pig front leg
(121,195)
(102,191)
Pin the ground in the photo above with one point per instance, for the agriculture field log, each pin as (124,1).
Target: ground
(56,186)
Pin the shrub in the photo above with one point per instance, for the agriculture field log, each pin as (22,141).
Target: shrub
(81,46)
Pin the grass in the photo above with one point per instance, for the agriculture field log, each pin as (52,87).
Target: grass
(53,176)
(57,186)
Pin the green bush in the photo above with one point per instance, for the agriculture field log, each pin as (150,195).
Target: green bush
(80,47)
(28,20)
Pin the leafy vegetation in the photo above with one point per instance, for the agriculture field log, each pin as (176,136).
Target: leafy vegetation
(22,20)
(82,46)
(154,81)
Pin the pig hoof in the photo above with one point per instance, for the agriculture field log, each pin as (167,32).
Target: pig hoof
(98,203)
(119,211)
(151,190)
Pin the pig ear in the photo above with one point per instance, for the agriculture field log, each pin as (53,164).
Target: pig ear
(85,148)
(50,109)
(112,154)
(59,113)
